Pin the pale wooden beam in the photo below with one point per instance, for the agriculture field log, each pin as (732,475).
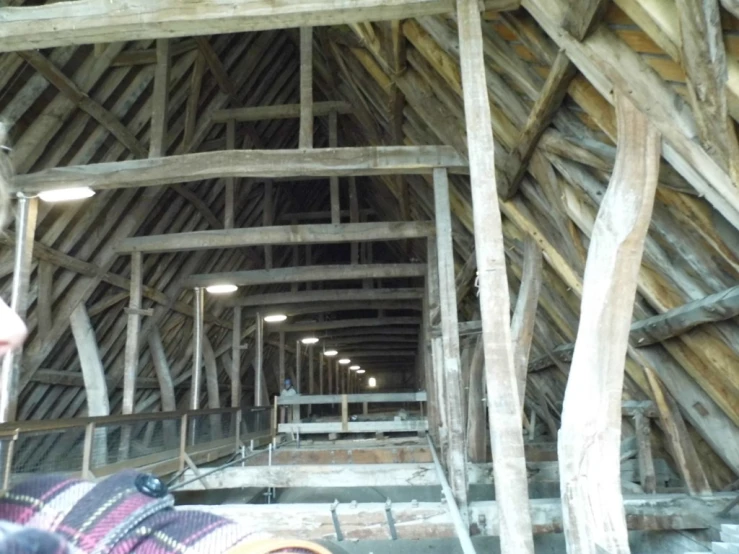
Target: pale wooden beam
(333,137)
(45,297)
(582,16)
(211,374)
(309,274)
(354,216)
(75,379)
(338,295)
(160,101)
(349,323)
(456,455)
(524,316)
(281,367)
(193,100)
(132,353)
(90,22)
(295,234)
(589,439)
(295,309)
(323,162)
(282,111)
(161,367)
(504,407)
(228,212)
(149,56)
(476,427)
(70,89)
(306,88)
(545,108)
(268,217)
(225,83)
(500,5)
(260,392)
(704,60)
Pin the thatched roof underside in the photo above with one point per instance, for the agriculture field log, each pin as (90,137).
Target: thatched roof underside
(692,250)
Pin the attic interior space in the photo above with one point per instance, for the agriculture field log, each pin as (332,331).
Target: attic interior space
(400,275)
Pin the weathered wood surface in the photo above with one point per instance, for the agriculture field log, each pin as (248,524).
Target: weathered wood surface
(589,439)
(349,323)
(323,162)
(283,111)
(504,408)
(283,234)
(308,274)
(89,22)
(320,296)
(305,137)
(426,520)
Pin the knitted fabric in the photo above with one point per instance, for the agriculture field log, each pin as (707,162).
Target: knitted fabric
(58,515)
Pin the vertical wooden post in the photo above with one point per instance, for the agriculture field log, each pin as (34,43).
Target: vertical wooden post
(45,297)
(333,141)
(504,408)
(159,101)
(306,87)
(164,376)
(344,412)
(228,210)
(437,356)
(330,371)
(93,374)
(298,368)
(259,392)
(647,476)
(236,359)
(320,373)
(197,350)
(87,461)
(476,428)
(457,463)
(590,436)
(354,216)
(267,219)
(282,360)
(427,360)
(211,382)
(131,362)
(432,309)
(311,376)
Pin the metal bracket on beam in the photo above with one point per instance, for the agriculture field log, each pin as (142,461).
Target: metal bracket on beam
(335,519)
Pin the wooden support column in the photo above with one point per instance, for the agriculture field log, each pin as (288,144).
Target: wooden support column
(197,351)
(306,87)
(45,297)
(427,361)
(476,427)
(321,360)
(353,215)
(236,359)
(166,385)
(678,439)
(524,316)
(132,352)
(282,360)
(432,296)
(311,376)
(647,476)
(93,374)
(451,369)
(590,436)
(211,382)
(228,213)
(298,367)
(504,407)
(330,376)
(159,101)
(259,388)
(268,219)
(333,141)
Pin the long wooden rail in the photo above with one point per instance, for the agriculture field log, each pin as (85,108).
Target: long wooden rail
(87,447)
(345,425)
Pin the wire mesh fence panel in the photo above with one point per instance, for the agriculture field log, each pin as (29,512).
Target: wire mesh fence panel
(256,421)
(211,427)
(49,452)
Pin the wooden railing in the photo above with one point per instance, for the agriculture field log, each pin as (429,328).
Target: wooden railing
(415,421)
(160,443)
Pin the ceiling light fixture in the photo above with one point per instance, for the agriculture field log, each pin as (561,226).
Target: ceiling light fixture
(224,288)
(354,367)
(345,361)
(372,383)
(275,318)
(309,340)
(331,353)
(361,371)
(66,195)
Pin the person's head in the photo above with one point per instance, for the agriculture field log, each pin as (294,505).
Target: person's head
(288,383)
(12,329)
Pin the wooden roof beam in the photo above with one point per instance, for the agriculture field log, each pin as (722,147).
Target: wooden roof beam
(282,111)
(185,168)
(309,274)
(339,295)
(91,22)
(349,323)
(582,16)
(282,234)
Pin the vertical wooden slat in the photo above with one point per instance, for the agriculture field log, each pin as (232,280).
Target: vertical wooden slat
(159,101)
(228,214)
(166,385)
(647,476)
(354,215)
(282,359)
(457,465)
(476,427)
(236,359)
(321,363)
(45,297)
(590,436)
(197,351)
(333,141)
(306,87)
(259,362)
(268,219)
(504,408)
(344,412)
(193,100)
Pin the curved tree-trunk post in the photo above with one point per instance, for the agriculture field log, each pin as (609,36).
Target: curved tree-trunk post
(260,392)
(504,406)
(197,357)
(93,374)
(211,382)
(166,386)
(476,407)
(524,316)
(590,437)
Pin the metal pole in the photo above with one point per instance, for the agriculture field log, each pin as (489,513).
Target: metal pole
(197,358)
(463,533)
(25,225)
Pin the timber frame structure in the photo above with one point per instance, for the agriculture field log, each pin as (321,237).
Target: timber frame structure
(522,210)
